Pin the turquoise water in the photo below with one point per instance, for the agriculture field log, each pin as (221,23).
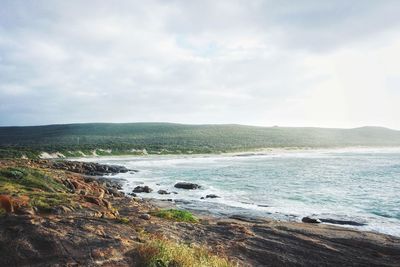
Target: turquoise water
(361,185)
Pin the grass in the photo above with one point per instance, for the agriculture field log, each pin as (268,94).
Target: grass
(159,252)
(35,188)
(29,179)
(123,220)
(176,215)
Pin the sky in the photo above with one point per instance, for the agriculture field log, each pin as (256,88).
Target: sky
(287,63)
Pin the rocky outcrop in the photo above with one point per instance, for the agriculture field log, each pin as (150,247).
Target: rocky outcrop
(185,185)
(142,189)
(87,168)
(105,230)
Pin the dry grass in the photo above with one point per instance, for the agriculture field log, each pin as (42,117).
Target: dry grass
(160,252)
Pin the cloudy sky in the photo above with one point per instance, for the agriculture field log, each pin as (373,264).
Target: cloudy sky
(289,63)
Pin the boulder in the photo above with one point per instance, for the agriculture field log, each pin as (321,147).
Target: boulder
(185,185)
(145,216)
(310,220)
(115,192)
(142,189)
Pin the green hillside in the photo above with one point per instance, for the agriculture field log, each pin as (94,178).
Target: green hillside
(132,138)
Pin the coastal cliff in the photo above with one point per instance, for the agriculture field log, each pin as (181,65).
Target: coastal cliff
(56,213)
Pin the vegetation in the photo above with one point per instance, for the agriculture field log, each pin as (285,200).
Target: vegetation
(165,138)
(159,252)
(123,220)
(30,187)
(176,215)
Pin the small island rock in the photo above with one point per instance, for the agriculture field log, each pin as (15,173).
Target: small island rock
(142,189)
(185,185)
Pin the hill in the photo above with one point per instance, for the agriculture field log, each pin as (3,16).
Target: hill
(132,138)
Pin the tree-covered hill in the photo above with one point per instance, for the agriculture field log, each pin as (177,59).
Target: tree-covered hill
(126,138)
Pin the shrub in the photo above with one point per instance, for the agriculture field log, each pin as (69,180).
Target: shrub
(176,215)
(124,220)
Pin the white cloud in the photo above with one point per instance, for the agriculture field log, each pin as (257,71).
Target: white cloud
(262,62)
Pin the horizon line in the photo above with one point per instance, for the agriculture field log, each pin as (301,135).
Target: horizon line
(198,124)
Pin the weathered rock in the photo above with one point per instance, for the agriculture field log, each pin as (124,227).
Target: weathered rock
(163,192)
(115,192)
(185,185)
(25,211)
(61,210)
(212,196)
(310,220)
(142,189)
(106,204)
(93,200)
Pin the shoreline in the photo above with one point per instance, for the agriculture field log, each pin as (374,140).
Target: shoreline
(251,152)
(253,209)
(95,234)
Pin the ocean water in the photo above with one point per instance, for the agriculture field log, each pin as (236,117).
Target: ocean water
(361,185)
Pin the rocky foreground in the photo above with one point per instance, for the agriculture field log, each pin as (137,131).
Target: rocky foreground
(56,215)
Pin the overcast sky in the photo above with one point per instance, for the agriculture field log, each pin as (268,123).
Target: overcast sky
(289,63)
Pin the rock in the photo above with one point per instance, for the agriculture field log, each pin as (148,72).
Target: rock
(106,204)
(145,216)
(115,192)
(93,200)
(249,219)
(212,196)
(89,168)
(163,192)
(132,194)
(142,189)
(185,185)
(342,222)
(26,211)
(61,210)
(310,220)
(202,198)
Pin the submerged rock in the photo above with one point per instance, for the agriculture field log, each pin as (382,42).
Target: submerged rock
(310,220)
(185,185)
(142,189)
(212,196)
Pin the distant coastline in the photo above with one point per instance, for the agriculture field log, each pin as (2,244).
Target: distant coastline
(98,139)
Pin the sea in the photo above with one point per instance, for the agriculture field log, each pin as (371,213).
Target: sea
(354,184)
